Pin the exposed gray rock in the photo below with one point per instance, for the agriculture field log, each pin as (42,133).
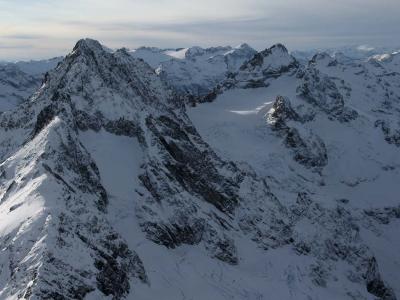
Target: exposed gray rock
(392,136)
(270,63)
(310,152)
(308,149)
(375,285)
(320,91)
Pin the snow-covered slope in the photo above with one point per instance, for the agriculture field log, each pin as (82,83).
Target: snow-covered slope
(331,130)
(283,187)
(155,56)
(73,249)
(38,67)
(21,79)
(15,86)
(389,61)
(265,65)
(195,71)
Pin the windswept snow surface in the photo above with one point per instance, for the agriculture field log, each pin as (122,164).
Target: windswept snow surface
(118,159)
(236,125)
(187,272)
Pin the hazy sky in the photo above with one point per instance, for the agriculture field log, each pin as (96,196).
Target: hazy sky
(44,28)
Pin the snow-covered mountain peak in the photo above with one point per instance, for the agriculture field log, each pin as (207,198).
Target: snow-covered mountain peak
(323,59)
(203,69)
(114,85)
(381,57)
(87,45)
(193,52)
(196,52)
(112,188)
(243,46)
(271,60)
(262,66)
(342,58)
(388,58)
(277,48)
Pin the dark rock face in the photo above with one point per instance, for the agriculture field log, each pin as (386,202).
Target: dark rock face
(225,250)
(113,277)
(264,66)
(191,167)
(193,173)
(174,235)
(260,60)
(375,285)
(310,153)
(322,92)
(325,57)
(308,149)
(385,215)
(392,136)
(282,111)
(342,244)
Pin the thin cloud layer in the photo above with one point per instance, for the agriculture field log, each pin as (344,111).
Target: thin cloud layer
(51,28)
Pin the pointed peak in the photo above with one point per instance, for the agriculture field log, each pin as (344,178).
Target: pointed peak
(88,44)
(244,48)
(278,47)
(194,51)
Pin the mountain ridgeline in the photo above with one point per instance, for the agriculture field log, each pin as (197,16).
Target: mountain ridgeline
(219,173)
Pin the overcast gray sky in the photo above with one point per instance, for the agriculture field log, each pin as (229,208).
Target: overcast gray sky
(45,28)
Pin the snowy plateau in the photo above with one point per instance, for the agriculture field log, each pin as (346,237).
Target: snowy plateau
(201,173)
